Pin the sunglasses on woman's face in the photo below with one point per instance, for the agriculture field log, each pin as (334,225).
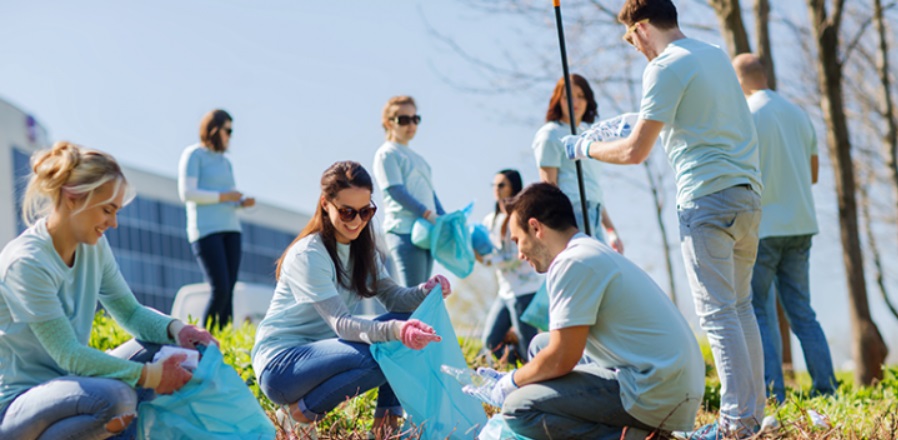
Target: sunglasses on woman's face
(348,214)
(405,120)
(228,130)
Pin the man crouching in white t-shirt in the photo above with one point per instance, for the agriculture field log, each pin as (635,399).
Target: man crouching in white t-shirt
(618,353)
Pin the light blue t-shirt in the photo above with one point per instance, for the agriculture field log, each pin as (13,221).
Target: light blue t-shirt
(213,173)
(397,164)
(308,276)
(708,131)
(634,330)
(549,152)
(37,286)
(786,140)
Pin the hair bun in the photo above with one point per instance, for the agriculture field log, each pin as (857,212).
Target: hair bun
(54,167)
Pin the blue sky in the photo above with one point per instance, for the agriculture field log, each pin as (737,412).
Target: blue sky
(306,82)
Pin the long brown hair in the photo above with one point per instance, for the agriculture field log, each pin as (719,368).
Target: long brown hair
(557,100)
(362,250)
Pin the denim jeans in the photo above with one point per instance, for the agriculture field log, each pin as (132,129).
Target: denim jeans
(505,314)
(719,241)
(413,264)
(77,407)
(219,257)
(595,219)
(786,260)
(583,404)
(323,374)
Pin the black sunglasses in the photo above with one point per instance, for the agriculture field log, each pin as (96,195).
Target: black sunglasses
(348,214)
(499,185)
(405,120)
(228,130)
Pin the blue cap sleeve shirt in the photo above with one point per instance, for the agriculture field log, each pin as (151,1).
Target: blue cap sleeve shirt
(213,172)
(634,330)
(396,164)
(708,133)
(786,140)
(36,286)
(549,152)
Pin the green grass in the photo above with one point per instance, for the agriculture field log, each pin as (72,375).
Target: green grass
(854,413)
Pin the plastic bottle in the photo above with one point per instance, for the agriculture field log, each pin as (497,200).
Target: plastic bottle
(475,383)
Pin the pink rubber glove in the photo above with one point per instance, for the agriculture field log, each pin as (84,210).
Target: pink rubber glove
(442,281)
(416,335)
(191,335)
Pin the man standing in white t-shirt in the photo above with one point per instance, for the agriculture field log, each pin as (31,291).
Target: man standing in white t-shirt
(618,353)
(788,151)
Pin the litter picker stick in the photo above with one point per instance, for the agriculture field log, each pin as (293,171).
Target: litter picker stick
(570,107)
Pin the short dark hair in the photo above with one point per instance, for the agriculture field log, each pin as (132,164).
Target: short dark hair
(544,202)
(209,127)
(660,13)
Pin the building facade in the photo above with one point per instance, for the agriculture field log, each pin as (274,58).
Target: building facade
(150,243)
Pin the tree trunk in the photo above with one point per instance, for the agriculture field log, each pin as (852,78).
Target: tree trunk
(890,142)
(729,13)
(868,348)
(762,20)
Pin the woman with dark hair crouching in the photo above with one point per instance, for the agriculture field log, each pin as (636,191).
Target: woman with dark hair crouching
(311,353)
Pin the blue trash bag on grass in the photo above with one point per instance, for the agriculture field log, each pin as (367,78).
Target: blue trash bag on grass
(450,242)
(433,400)
(537,313)
(214,404)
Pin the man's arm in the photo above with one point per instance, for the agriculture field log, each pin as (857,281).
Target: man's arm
(560,357)
(549,175)
(631,150)
(815,167)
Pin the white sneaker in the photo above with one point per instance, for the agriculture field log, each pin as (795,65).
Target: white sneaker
(294,429)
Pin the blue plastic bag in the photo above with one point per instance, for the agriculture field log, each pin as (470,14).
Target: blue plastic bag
(433,400)
(480,239)
(450,242)
(537,313)
(214,404)
(497,429)
(421,233)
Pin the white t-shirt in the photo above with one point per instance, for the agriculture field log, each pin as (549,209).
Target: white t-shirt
(515,276)
(634,330)
(549,152)
(396,164)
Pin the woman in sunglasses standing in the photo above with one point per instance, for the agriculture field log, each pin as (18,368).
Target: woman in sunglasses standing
(557,169)
(311,353)
(405,179)
(518,281)
(206,185)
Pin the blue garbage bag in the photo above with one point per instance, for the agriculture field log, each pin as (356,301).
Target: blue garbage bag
(214,404)
(497,429)
(537,313)
(421,233)
(480,239)
(432,400)
(450,242)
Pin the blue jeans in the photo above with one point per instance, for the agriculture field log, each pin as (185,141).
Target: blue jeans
(786,260)
(413,264)
(719,241)
(77,407)
(323,374)
(219,257)
(595,218)
(583,404)
(505,314)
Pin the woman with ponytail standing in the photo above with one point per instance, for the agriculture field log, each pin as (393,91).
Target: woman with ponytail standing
(52,276)
(206,185)
(311,353)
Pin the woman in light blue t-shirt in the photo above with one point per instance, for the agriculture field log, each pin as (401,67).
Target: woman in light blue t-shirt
(52,277)
(206,186)
(311,352)
(557,169)
(405,179)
